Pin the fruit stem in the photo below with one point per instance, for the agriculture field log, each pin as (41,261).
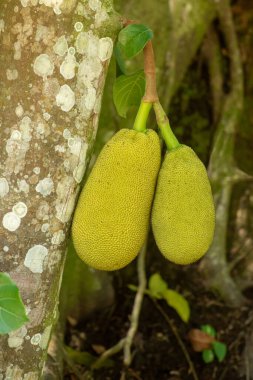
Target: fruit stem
(150,74)
(164,125)
(142,116)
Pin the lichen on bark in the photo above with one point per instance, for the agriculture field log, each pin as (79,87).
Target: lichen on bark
(54,59)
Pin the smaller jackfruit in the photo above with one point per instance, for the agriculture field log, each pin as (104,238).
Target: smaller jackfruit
(183,216)
(112,215)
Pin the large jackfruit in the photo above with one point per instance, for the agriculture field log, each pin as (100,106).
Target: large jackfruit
(183,216)
(112,216)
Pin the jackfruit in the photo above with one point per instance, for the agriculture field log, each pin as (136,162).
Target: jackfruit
(112,215)
(183,216)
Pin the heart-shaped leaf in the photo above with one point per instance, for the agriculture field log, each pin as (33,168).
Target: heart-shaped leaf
(12,310)
(133,39)
(179,303)
(208,329)
(208,356)
(220,350)
(157,286)
(128,91)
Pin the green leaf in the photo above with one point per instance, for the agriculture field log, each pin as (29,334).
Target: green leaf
(208,356)
(12,310)
(85,358)
(179,303)
(157,285)
(208,329)
(121,63)
(133,39)
(220,350)
(128,91)
(132,287)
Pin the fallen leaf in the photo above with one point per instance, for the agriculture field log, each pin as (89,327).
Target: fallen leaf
(98,348)
(200,340)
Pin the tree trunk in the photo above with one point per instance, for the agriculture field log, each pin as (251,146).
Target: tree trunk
(54,59)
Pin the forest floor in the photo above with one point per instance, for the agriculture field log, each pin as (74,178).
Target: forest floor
(157,352)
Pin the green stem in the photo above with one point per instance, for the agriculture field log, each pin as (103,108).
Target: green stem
(142,116)
(164,125)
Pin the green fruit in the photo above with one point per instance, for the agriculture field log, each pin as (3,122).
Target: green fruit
(183,216)
(112,216)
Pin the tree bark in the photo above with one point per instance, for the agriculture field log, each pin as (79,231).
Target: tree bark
(54,58)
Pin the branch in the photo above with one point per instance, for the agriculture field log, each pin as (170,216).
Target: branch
(137,306)
(212,53)
(126,343)
(108,353)
(222,168)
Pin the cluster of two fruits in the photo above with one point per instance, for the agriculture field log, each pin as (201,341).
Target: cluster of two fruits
(126,185)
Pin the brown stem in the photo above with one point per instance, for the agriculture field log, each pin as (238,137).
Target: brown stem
(150,95)
(150,74)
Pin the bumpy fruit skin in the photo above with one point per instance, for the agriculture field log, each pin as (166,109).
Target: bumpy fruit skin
(183,216)
(112,216)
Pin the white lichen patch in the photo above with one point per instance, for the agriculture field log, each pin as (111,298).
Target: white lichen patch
(101,17)
(19,111)
(23,186)
(17,146)
(36,170)
(46,116)
(35,258)
(95,5)
(65,99)
(82,42)
(17,50)
(89,70)
(68,67)
(58,237)
(11,221)
(61,46)
(78,26)
(16,338)
(13,372)
(35,339)
(66,195)
(90,98)
(15,135)
(45,227)
(105,48)
(20,209)
(41,33)
(40,129)
(1,26)
(42,211)
(25,3)
(79,171)
(45,337)
(71,50)
(60,148)
(55,4)
(12,74)
(31,376)
(75,145)
(43,66)
(4,187)
(66,133)
(45,186)
(25,128)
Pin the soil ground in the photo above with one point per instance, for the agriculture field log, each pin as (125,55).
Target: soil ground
(157,353)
